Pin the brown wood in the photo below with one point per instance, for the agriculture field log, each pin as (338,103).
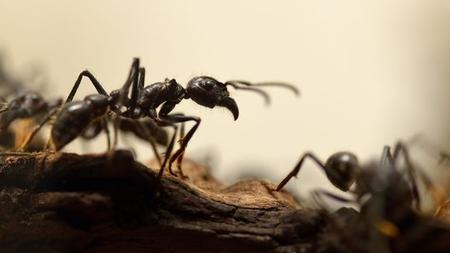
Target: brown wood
(59,202)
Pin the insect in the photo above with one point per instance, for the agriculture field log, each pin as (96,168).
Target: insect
(27,105)
(155,101)
(386,198)
(343,169)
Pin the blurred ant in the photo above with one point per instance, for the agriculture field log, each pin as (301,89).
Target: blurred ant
(75,116)
(28,105)
(385,196)
(342,170)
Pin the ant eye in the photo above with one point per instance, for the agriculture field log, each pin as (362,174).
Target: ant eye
(208,85)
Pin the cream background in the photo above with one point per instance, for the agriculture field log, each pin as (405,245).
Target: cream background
(370,72)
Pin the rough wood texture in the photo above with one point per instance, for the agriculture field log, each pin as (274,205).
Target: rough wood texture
(59,202)
(110,203)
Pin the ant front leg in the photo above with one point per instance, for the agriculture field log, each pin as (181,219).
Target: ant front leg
(297,168)
(179,118)
(319,198)
(169,147)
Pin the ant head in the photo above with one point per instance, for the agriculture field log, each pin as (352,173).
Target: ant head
(341,169)
(209,92)
(30,101)
(26,105)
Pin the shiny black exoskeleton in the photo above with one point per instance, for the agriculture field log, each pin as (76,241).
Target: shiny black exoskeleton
(386,197)
(146,100)
(343,169)
(27,105)
(78,115)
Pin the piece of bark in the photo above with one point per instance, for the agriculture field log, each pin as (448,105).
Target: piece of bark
(59,202)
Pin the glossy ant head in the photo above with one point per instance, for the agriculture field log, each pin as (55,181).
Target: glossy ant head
(209,92)
(30,102)
(341,169)
(26,105)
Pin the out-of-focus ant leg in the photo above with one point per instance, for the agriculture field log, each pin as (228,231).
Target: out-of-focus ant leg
(180,157)
(30,136)
(150,139)
(108,135)
(319,198)
(400,148)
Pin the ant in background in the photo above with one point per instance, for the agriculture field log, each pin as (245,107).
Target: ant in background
(28,105)
(385,196)
(342,170)
(144,102)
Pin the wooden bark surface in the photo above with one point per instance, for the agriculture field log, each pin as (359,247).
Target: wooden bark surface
(60,202)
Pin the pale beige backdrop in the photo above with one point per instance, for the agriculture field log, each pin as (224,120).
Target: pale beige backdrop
(370,72)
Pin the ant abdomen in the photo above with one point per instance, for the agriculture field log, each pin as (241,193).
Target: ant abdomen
(75,117)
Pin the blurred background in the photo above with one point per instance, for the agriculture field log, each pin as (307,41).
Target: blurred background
(370,72)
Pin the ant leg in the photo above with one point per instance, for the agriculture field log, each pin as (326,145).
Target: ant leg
(108,135)
(150,139)
(401,148)
(430,148)
(116,123)
(93,80)
(29,138)
(180,158)
(318,197)
(178,118)
(184,142)
(132,79)
(168,150)
(297,168)
(138,85)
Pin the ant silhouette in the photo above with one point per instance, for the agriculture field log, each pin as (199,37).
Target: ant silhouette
(387,199)
(155,101)
(27,105)
(343,169)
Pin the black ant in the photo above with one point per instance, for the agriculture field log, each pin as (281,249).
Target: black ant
(385,196)
(75,116)
(28,105)
(343,169)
